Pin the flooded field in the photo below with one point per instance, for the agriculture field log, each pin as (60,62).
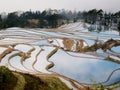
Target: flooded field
(70,52)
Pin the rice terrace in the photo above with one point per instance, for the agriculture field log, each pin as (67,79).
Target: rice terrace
(75,58)
(60,45)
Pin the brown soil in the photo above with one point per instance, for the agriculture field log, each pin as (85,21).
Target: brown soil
(68,43)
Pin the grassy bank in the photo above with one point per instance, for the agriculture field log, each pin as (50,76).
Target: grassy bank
(18,81)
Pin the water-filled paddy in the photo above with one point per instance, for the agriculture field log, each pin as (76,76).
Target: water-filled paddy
(116,49)
(84,70)
(37,45)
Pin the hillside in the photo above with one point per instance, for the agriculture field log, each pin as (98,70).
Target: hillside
(10,80)
(70,56)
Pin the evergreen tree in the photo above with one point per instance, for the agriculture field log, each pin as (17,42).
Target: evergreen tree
(53,20)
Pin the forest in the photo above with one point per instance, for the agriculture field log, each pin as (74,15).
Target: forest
(55,18)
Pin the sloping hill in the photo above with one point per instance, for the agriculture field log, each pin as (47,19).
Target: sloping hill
(18,81)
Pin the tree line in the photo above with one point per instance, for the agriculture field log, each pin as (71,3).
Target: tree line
(54,18)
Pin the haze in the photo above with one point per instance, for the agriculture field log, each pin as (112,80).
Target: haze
(24,5)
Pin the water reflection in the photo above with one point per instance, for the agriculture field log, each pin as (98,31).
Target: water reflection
(116,49)
(84,69)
